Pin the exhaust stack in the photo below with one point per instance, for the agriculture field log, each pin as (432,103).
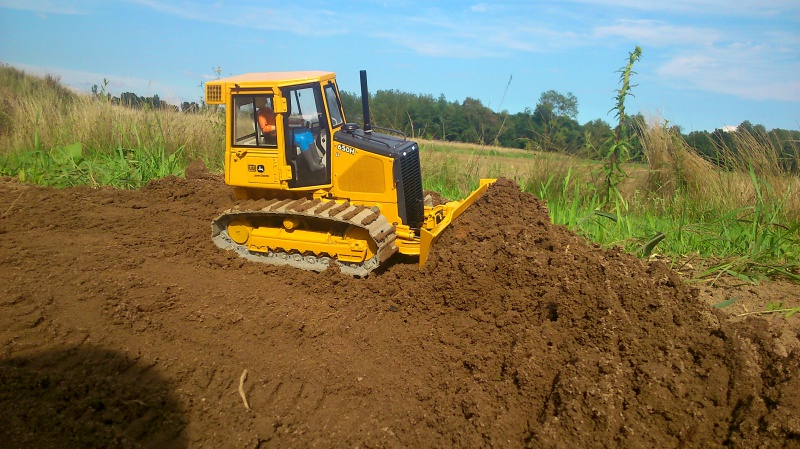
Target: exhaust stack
(365,103)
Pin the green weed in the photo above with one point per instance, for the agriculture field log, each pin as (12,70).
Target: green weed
(70,165)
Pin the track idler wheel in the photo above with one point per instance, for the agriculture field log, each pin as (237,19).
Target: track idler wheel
(239,230)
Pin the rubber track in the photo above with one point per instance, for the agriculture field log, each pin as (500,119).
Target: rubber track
(379,228)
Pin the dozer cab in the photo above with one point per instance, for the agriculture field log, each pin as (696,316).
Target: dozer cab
(324,190)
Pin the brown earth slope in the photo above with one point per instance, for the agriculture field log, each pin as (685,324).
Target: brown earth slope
(122,325)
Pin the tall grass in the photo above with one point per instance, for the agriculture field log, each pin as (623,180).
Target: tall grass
(678,176)
(740,215)
(454,169)
(71,166)
(39,115)
(744,209)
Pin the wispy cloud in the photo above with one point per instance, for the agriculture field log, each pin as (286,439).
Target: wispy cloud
(480,8)
(736,69)
(51,6)
(479,30)
(82,81)
(713,56)
(282,17)
(703,7)
(657,33)
(756,65)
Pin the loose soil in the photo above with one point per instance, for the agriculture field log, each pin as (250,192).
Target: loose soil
(122,325)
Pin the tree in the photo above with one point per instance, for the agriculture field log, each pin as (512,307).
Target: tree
(188,107)
(351,103)
(559,105)
(481,121)
(596,134)
(552,117)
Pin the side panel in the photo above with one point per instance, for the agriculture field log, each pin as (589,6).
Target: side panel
(261,167)
(364,178)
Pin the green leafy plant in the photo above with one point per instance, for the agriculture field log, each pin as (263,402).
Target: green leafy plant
(617,152)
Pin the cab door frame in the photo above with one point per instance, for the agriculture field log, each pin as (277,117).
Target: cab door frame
(250,160)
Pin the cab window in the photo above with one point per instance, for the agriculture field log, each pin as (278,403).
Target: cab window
(253,121)
(334,107)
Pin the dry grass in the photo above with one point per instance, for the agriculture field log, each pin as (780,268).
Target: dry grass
(39,113)
(672,166)
(532,170)
(674,179)
(676,173)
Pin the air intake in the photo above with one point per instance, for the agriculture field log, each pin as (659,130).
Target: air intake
(213,93)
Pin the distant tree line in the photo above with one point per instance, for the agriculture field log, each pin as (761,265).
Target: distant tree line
(132,100)
(551,126)
(711,145)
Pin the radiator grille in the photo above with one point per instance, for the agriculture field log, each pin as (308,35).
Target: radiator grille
(412,208)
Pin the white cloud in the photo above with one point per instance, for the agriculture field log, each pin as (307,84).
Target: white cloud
(745,70)
(480,7)
(657,33)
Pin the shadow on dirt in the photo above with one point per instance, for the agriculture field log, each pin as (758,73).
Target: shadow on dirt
(86,398)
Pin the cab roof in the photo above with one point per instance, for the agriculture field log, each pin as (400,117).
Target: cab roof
(219,91)
(276,78)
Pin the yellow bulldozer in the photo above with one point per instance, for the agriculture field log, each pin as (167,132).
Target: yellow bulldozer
(327,190)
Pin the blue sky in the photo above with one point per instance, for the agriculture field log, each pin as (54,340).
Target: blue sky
(705,63)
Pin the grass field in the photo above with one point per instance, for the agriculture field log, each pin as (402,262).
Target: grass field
(734,222)
(743,221)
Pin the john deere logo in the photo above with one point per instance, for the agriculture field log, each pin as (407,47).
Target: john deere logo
(260,169)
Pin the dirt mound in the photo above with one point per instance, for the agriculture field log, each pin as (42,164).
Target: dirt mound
(197,170)
(597,346)
(516,333)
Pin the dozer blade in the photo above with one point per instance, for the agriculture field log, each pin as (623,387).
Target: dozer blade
(456,208)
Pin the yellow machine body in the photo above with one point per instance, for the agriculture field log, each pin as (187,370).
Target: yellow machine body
(336,192)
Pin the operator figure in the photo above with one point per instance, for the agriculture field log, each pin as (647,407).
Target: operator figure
(266,121)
